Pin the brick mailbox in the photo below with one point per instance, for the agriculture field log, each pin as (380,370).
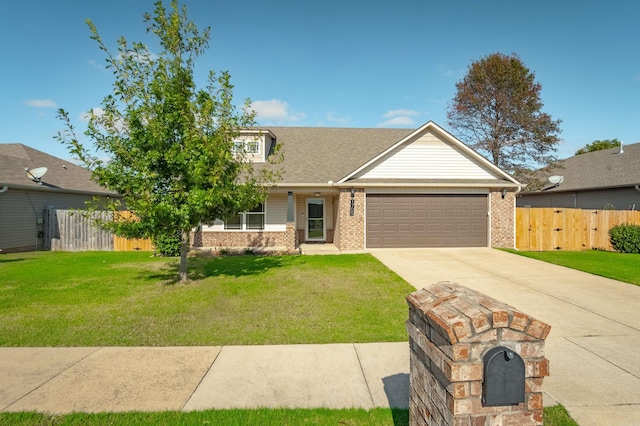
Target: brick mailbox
(474,360)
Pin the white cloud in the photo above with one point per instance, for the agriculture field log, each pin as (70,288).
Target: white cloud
(95,64)
(143,57)
(41,103)
(341,121)
(399,118)
(401,113)
(398,121)
(85,116)
(276,110)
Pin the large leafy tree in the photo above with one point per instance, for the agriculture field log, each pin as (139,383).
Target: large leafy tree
(599,145)
(497,110)
(164,146)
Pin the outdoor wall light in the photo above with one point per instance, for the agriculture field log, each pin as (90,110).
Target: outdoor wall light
(316,194)
(504,192)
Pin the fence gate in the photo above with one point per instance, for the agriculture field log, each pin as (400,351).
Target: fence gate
(68,230)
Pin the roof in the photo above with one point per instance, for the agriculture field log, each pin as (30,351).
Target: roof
(61,175)
(599,169)
(319,155)
(323,154)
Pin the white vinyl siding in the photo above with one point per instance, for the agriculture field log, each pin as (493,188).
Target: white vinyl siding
(427,157)
(254,147)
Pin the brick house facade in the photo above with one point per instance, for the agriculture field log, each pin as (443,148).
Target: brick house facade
(369,188)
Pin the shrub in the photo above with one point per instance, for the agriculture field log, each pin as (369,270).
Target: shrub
(625,238)
(168,244)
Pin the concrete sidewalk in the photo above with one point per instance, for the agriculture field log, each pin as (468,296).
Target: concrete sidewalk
(594,344)
(115,379)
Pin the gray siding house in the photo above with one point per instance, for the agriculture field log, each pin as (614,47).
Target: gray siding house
(607,179)
(24,197)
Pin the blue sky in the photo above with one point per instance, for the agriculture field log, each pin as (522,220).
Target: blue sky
(349,63)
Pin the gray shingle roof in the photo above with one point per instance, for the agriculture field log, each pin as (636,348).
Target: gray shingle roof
(15,157)
(322,154)
(599,169)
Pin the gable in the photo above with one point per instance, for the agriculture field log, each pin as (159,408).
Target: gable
(427,156)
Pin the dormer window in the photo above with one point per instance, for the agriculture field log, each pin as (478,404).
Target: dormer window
(253,145)
(247,146)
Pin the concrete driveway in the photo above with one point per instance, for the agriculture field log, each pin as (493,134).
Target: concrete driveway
(594,344)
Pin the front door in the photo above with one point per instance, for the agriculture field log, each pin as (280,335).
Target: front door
(315,219)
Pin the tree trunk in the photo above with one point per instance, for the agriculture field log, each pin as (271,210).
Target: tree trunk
(184,250)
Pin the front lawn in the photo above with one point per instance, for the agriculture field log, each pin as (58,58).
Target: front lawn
(131,299)
(618,266)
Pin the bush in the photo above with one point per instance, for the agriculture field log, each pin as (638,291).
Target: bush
(625,238)
(169,244)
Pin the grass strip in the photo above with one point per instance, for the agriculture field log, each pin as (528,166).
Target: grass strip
(618,266)
(553,416)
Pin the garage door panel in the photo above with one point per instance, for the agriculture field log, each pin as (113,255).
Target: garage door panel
(426,220)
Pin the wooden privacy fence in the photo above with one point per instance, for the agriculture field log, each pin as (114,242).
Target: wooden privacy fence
(68,230)
(548,229)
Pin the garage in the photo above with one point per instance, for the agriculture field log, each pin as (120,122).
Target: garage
(426,220)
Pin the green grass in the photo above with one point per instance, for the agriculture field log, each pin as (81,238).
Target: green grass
(618,266)
(553,416)
(558,416)
(132,299)
(262,417)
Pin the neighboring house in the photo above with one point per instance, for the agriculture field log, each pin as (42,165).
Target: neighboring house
(607,179)
(24,196)
(372,188)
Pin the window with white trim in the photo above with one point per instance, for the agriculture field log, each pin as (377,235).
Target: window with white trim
(251,220)
(247,146)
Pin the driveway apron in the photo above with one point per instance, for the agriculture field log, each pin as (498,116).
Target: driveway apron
(594,344)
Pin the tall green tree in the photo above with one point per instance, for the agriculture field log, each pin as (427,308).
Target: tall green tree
(166,147)
(497,110)
(599,145)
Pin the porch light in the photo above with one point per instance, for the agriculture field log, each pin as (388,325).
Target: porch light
(316,194)
(504,192)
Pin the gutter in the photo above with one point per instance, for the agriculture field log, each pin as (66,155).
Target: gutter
(57,190)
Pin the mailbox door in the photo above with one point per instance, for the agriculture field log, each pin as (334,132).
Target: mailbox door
(504,375)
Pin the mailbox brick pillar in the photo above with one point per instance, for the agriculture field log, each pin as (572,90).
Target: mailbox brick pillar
(451,328)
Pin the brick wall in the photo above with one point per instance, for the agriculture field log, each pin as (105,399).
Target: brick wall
(349,230)
(503,216)
(241,239)
(451,328)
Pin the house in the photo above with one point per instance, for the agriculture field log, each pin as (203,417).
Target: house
(607,179)
(372,188)
(32,181)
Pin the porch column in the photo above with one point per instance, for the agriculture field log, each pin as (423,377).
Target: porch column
(292,235)
(290,217)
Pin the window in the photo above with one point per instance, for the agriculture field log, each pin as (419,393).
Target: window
(253,147)
(238,146)
(249,220)
(249,147)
